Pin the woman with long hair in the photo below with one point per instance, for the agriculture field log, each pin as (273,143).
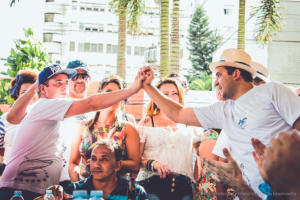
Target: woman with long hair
(166,149)
(110,123)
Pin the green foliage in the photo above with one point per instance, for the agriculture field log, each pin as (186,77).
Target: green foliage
(12,2)
(202,83)
(133,8)
(202,42)
(268,21)
(5,98)
(27,53)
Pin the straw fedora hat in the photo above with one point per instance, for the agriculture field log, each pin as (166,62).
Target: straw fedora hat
(234,58)
(261,71)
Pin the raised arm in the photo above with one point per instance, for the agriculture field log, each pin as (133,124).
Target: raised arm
(100,101)
(175,111)
(18,111)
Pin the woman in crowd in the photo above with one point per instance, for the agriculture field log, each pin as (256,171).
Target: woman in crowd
(19,85)
(112,123)
(166,149)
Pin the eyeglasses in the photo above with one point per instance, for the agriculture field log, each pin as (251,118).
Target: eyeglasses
(83,76)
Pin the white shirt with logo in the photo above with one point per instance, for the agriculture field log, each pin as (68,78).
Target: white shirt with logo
(36,160)
(263,112)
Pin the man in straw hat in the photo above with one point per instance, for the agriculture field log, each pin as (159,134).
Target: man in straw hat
(261,75)
(260,112)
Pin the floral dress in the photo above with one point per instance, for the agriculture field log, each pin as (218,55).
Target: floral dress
(205,188)
(116,132)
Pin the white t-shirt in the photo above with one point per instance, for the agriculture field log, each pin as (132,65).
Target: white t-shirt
(263,112)
(11,130)
(222,142)
(68,130)
(36,160)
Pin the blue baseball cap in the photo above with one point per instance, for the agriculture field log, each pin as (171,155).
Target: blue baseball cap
(52,70)
(78,64)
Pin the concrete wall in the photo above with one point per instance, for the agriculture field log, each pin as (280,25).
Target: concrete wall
(284,50)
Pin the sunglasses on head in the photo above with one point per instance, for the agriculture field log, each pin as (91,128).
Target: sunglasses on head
(83,76)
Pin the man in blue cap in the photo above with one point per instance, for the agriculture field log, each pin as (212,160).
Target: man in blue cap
(36,161)
(79,83)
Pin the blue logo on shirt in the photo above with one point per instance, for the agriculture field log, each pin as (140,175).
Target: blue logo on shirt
(243,123)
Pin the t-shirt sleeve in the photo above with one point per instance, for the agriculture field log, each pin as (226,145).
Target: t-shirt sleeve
(286,102)
(220,145)
(211,116)
(50,109)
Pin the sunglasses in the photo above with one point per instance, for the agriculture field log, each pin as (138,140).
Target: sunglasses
(83,76)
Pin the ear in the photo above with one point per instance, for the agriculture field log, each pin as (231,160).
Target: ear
(42,89)
(236,74)
(118,166)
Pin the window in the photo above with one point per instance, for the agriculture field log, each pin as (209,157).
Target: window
(227,11)
(114,49)
(49,0)
(100,48)
(94,47)
(80,47)
(139,51)
(49,17)
(128,49)
(87,47)
(72,46)
(108,48)
(74,7)
(47,37)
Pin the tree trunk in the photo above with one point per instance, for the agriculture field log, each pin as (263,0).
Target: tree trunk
(241,26)
(164,38)
(175,39)
(121,59)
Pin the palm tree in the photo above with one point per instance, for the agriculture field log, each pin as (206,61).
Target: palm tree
(164,38)
(268,21)
(241,26)
(128,12)
(175,39)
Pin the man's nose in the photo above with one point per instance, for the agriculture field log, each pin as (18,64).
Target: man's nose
(216,83)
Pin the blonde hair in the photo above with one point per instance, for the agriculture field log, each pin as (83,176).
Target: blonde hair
(152,108)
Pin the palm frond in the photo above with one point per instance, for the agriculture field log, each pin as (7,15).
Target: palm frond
(268,20)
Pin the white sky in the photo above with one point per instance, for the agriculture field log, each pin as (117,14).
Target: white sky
(24,14)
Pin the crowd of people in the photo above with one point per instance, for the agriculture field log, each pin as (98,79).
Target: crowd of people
(245,146)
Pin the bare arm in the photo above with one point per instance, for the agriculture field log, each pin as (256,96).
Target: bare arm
(297,124)
(100,101)
(75,154)
(18,111)
(133,150)
(175,111)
